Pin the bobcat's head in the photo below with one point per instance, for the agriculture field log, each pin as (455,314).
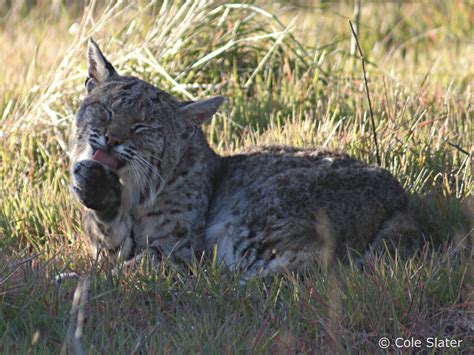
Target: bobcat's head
(132,127)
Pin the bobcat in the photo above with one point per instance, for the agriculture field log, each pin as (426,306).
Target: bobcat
(143,169)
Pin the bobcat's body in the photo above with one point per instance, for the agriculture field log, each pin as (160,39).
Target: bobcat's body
(280,207)
(149,180)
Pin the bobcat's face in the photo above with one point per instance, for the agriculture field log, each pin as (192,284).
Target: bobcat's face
(134,128)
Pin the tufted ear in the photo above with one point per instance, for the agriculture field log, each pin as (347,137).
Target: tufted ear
(99,68)
(200,111)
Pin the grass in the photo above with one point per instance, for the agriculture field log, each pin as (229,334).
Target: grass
(288,82)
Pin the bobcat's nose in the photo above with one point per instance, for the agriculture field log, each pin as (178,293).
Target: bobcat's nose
(111,140)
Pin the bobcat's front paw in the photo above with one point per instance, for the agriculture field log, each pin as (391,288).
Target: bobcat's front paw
(97,187)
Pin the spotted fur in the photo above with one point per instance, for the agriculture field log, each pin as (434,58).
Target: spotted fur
(266,210)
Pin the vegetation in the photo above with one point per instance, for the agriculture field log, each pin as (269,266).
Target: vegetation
(289,80)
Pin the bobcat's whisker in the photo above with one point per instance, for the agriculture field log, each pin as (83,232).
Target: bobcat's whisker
(142,163)
(154,169)
(136,173)
(156,157)
(144,183)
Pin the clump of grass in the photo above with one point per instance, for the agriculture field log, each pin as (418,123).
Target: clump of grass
(288,82)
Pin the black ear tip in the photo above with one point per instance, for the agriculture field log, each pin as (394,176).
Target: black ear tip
(220,100)
(93,46)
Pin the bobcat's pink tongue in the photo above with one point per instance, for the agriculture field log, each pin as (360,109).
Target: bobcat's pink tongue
(106,159)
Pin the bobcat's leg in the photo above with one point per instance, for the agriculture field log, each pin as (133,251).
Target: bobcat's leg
(399,233)
(107,225)
(178,248)
(295,245)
